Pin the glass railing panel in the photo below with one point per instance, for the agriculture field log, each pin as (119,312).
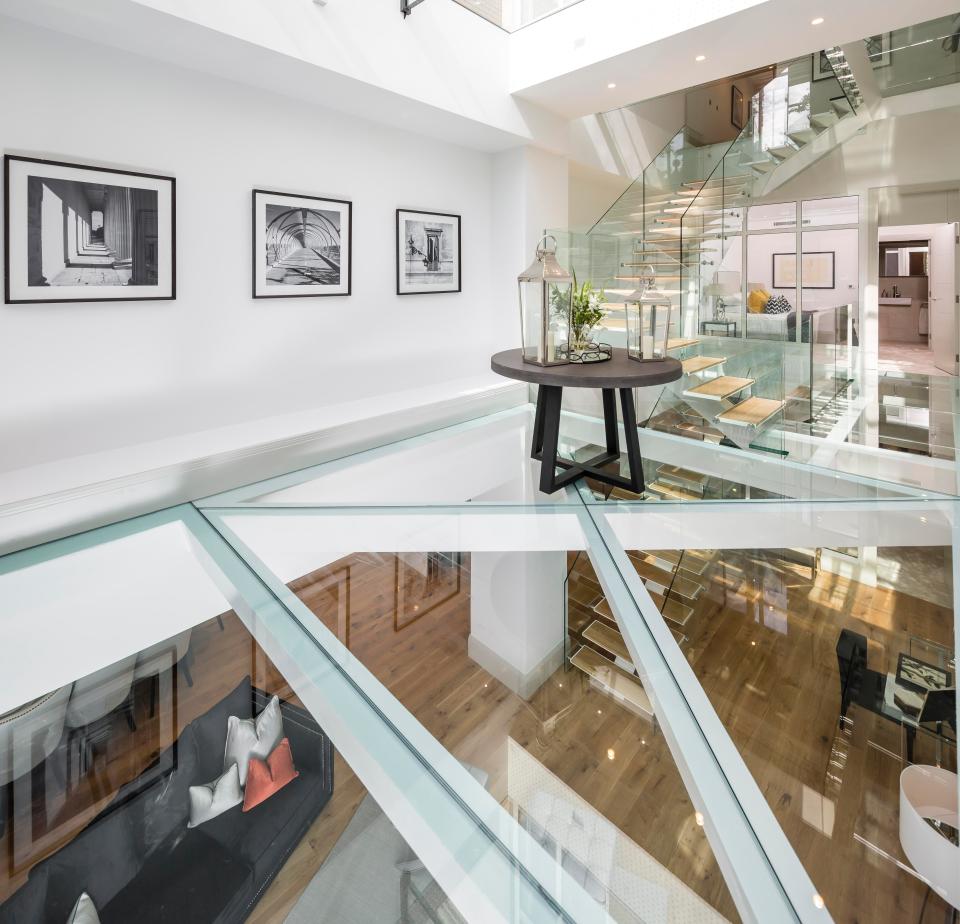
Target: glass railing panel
(485,461)
(514,14)
(917,57)
(493,632)
(824,638)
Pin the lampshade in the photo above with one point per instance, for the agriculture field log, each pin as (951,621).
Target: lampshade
(719,289)
(724,283)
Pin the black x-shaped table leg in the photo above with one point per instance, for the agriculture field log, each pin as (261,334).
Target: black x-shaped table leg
(546,436)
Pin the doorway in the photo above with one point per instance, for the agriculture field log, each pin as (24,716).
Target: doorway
(917,289)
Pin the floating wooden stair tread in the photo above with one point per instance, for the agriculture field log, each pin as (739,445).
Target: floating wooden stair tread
(672,491)
(682,474)
(684,560)
(674,611)
(825,119)
(658,275)
(679,342)
(677,585)
(612,679)
(721,387)
(699,363)
(751,412)
(609,639)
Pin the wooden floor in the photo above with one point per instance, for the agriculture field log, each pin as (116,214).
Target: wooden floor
(414,639)
(761,639)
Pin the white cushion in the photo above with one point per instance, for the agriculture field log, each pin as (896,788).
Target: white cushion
(212,799)
(257,737)
(84,911)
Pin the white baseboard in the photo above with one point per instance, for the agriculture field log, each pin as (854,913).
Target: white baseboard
(523,684)
(59,499)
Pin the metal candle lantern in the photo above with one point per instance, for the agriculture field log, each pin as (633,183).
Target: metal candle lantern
(546,306)
(648,325)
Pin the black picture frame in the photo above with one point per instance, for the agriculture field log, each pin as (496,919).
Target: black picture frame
(433,290)
(807,253)
(737,115)
(436,563)
(112,293)
(820,67)
(258,289)
(907,668)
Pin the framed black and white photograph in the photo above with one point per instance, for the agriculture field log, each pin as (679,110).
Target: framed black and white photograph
(301,245)
(79,233)
(821,66)
(818,270)
(428,252)
(880,50)
(737,108)
(921,676)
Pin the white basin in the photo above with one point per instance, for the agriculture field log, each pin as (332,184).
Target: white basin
(899,302)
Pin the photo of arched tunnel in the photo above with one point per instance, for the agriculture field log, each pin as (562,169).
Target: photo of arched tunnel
(302,246)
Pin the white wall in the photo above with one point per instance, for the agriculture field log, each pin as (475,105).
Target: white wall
(79,378)
(442,71)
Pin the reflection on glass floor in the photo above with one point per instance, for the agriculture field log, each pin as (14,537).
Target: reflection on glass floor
(487,461)
(826,733)
(483,461)
(479,660)
(114,792)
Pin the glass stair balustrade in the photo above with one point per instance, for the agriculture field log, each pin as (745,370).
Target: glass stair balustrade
(917,57)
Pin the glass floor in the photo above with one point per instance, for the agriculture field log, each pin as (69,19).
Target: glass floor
(407,686)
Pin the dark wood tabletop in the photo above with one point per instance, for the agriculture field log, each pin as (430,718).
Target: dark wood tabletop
(618,372)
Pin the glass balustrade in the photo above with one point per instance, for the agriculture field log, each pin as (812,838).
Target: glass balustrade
(918,57)
(514,14)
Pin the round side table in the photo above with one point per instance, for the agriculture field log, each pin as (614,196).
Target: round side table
(617,374)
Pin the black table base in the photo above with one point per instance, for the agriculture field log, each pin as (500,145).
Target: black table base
(546,437)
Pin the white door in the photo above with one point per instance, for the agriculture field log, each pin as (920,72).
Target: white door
(943,297)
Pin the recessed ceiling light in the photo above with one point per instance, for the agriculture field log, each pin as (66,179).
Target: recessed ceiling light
(700,58)
(817,22)
(611,86)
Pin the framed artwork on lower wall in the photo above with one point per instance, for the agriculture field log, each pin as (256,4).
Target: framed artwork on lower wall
(82,233)
(818,270)
(302,245)
(428,252)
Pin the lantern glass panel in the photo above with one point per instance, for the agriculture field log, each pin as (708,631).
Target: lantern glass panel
(545,317)
(648,329)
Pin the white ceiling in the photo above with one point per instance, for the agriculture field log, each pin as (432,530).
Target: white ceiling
(573,82)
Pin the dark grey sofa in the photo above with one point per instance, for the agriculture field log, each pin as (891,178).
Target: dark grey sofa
(141,864)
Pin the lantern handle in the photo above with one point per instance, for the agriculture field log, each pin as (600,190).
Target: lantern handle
(547,237)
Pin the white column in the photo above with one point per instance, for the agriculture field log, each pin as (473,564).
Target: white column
(516,616)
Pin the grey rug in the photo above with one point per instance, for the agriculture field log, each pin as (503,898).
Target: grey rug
(359,882)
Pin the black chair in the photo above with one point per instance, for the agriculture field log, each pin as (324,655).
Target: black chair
(858,684)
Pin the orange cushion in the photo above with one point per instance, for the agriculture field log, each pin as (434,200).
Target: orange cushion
(265,777)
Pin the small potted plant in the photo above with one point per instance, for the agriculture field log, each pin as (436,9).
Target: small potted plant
(585,316)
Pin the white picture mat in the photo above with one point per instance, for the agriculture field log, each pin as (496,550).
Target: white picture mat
(260,286)
(403,286)
(21,170)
